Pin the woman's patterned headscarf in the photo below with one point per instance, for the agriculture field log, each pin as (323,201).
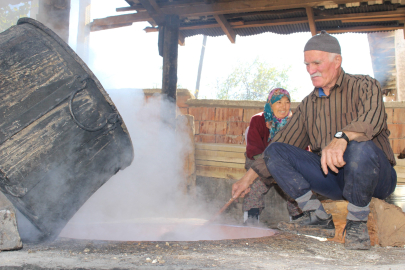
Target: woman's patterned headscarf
(275,123)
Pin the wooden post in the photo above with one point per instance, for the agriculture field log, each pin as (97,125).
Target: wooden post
(55,15)
(170,53)
(83,30)
(400,64)
(311,21)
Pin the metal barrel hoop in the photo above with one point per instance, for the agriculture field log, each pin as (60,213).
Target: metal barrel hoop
(112,118)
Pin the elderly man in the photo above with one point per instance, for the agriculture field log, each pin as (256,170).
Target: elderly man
(344,122)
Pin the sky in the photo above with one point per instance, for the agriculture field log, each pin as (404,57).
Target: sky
(128,57)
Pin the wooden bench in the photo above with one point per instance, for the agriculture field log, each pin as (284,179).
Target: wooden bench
(228,161)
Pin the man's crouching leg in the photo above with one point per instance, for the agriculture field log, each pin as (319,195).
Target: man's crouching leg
(291,167)
(315,221)
(366,168)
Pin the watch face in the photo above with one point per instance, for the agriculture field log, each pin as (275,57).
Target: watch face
(339,134)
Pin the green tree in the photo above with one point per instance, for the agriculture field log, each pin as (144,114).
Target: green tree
(252,81)
(9,14)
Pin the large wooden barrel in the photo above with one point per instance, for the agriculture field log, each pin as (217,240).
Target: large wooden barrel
(61,137)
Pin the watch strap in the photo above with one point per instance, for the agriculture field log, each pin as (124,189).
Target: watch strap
(344,136)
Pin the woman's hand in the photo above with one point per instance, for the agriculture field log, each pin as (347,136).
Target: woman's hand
(242,187)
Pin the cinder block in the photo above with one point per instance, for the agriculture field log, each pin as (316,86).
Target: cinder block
(396,131)
(197,127)
(228,114)
(202,113)
(195,111)
(231,139)
(237,128)
(399,116)
(402,131)
(205,138)
(248,113)
(207,127)
(390,114)
(397,145)
(220,128)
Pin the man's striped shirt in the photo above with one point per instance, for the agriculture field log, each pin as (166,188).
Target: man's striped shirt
(355,104)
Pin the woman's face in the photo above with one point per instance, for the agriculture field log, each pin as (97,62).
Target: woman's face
(281,108)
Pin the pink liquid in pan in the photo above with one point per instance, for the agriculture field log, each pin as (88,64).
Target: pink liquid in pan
(161,229)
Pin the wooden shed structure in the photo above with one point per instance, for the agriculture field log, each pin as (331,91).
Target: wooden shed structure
(175,20)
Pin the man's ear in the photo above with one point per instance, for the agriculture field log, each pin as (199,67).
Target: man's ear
(338,61)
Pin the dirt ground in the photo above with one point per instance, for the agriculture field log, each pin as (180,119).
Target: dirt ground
(282,251)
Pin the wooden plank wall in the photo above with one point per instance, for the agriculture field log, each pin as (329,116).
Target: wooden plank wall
(220,160)
(220,125)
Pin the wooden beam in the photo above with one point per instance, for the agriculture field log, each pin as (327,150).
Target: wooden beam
(211,25)
(266,13)
(193,27)
(144,16)
(364,29)
(122,19)
(311,20)
(150,6)
(272,22)
(95,28)
(182,39)
(155,6)
(374,19)
(153,10)
(241,6)
(395,13)
(124,9)
(259,24)
(226,27)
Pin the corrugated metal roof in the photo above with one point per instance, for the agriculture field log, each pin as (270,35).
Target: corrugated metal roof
(288,14)
(274,15)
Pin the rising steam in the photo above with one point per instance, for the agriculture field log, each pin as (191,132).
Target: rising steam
(151,188)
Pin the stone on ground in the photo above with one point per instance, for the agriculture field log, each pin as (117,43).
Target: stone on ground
(9,236)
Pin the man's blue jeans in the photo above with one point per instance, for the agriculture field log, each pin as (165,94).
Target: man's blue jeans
(367,173)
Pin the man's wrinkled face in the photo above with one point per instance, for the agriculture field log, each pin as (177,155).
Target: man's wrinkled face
(323,70)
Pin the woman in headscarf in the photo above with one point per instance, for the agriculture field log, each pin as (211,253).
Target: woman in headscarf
(262,128)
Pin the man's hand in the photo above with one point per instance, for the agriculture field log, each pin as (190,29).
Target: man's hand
(332,155)
(242,187)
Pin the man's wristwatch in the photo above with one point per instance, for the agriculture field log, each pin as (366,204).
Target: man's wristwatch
(342,135)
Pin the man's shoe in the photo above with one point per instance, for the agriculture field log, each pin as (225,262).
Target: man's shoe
(356,235)
(310,224)
(292,218)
